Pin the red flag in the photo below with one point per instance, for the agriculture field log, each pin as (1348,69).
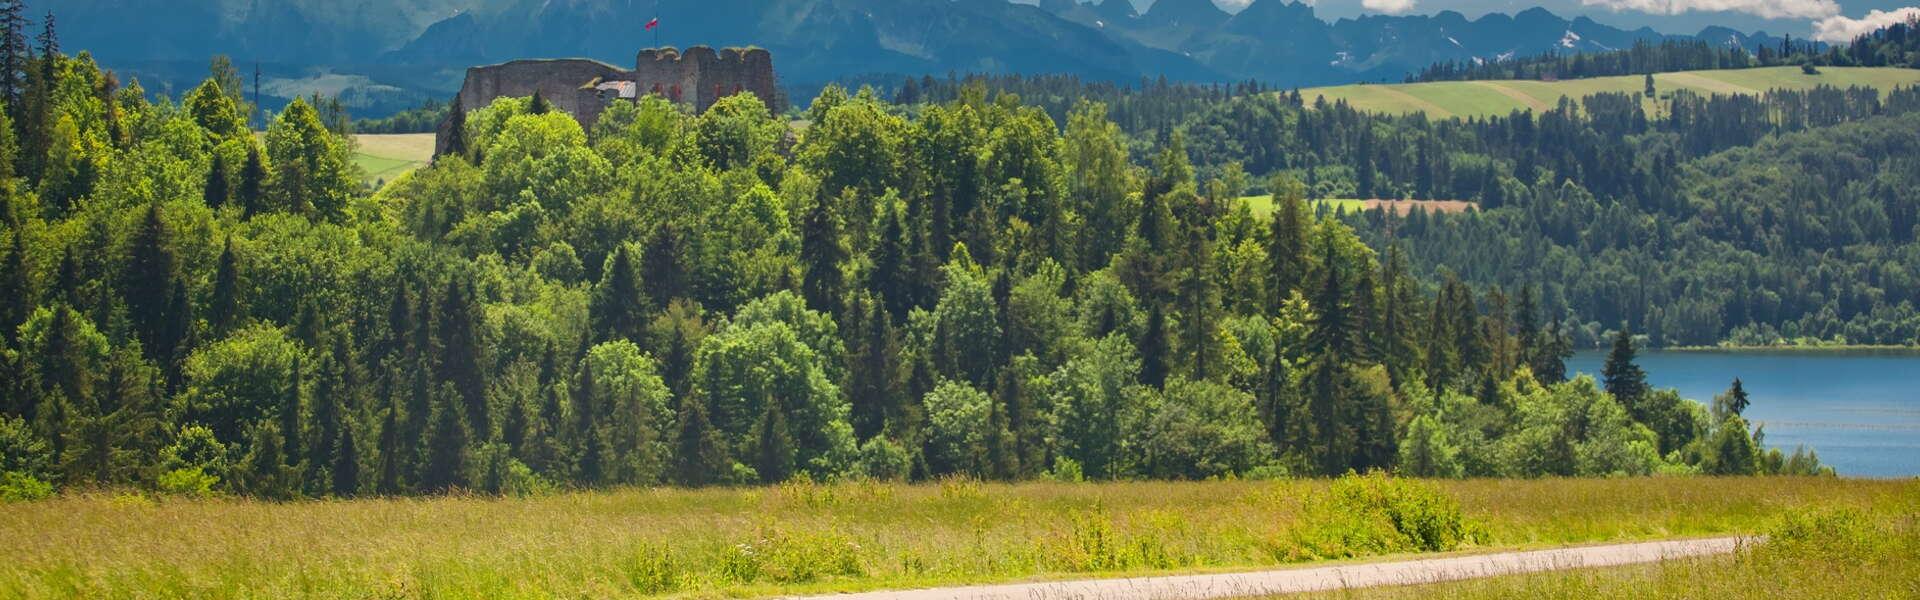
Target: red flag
(654,23)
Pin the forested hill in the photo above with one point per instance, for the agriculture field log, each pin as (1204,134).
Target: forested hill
(1894,46)
(960,288)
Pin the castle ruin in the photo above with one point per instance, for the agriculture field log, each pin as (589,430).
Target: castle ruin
(584,88)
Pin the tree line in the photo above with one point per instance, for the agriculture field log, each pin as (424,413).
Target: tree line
(1895,46)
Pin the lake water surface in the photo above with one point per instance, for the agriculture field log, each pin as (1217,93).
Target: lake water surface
(1860,411)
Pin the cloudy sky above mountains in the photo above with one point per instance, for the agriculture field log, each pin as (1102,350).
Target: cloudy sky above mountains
(1828,20)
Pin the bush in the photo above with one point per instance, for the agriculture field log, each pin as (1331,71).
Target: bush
(21,487)
(1833,534)
(190,482)
(654,570)
(1092,544)
(787,557)
(1377,514)
(883,460)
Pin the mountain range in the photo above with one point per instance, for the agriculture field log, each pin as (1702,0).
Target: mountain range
(391,52)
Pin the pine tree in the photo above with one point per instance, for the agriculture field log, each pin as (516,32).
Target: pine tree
(292,409)
(618,308)
(1733,403)
(346,466)
(223,312)
(1153,348)
(16,299)
(253,183)
(148,283)
(1286,244)
(1624,379)
(393,460)
(14,55)
(773,446)
(871,368)
(822,253)
(460,359)
(446,464)
(1527,326)
(456,130)
(540,105)
(217,191)
(700,453)
(664,272)
(890,280)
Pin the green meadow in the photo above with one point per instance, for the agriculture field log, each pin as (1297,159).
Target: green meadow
(1448,99)
(823,538)
(384,158)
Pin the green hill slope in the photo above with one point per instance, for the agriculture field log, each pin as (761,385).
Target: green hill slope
(1485,98)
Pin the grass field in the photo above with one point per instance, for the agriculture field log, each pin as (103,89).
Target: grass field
(386,157)
(1826,554)
(1486,98)
(806,538)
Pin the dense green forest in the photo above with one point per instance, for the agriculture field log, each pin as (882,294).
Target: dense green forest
(1895,46)
(1669,222)
(961,288)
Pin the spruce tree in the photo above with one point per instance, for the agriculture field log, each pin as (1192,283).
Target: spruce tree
(16,300)
(593,455)
(346,466)
(446,464)
(223,311)
(217,191)
(292,409)
(393,461)
(821,253)
(1286,243)
(618,308)
(456,130)
(773,445)
(664,272)
(1624,379)
(539,105)
(460,359)
(1732,403)
(148,283)
(253,183)
(890,280)
(700,452)
(14,55)
(1153,348)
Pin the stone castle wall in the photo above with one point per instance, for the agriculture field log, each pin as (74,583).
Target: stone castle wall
(698,77)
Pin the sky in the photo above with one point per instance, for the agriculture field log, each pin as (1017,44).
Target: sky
(1830,20)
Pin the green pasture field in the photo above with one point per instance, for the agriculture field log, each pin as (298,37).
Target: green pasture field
(1448,99)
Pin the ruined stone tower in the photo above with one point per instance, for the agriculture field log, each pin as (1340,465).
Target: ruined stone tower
(584,88)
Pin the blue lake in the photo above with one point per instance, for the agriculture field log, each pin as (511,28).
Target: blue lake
(1860,411)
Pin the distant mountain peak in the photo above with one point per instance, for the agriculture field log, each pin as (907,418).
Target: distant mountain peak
(1187,13)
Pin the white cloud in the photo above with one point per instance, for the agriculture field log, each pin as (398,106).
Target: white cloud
(1392,7)
(1766,9)
(1232,5)
(1839,29)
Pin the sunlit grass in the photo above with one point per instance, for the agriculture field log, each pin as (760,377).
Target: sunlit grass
(797,538)
(1482,99)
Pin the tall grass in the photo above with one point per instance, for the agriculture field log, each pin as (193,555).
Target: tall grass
(817,537)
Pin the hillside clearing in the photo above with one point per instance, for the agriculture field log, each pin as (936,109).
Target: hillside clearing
(1262,206)
(385,157)
(1490,98)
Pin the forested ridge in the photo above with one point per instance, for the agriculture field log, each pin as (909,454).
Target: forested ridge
(956,288)
(1897,45)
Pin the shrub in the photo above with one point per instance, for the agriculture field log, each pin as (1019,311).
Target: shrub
(883,460)
(654,570)
(788,557)
(21,487)
(1834,534)
(1377,514)
(1091,543)
(190,482)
